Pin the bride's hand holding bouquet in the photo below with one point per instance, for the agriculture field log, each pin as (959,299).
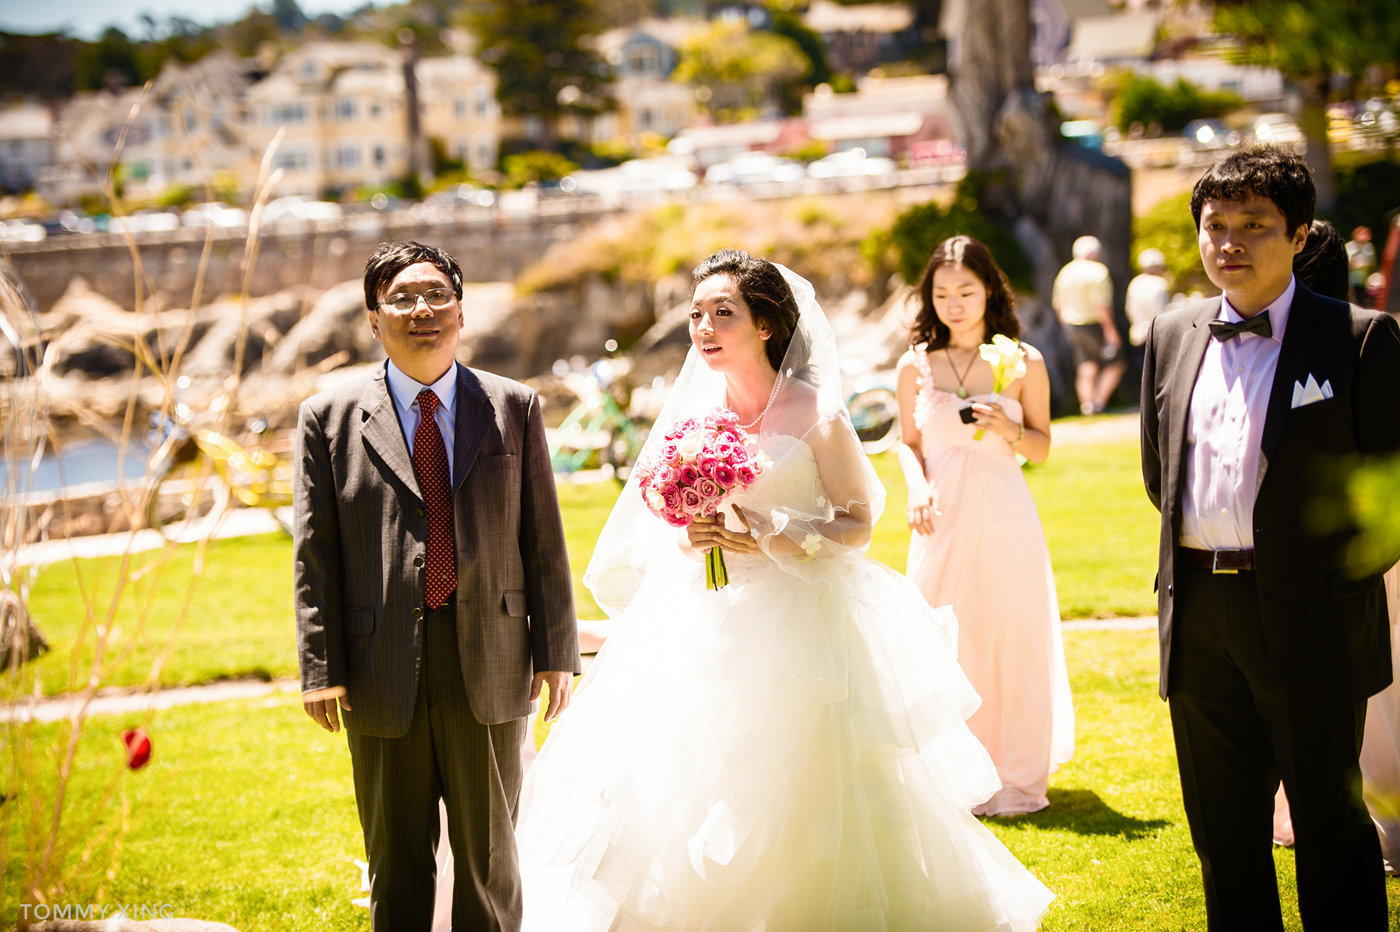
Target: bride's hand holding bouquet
(698,465)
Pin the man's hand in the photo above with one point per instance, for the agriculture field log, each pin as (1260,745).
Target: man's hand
(561,690)
(323,712)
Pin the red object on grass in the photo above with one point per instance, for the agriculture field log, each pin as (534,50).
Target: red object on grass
(138,747)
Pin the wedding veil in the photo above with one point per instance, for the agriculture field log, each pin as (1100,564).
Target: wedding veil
(807,418)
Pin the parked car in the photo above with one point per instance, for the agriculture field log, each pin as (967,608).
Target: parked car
(214,214)
(1211,134)
(22,231)
(851,163)
(298,208)
(145,221)
(755,168)
(1277,128)
(930,152)
(461,195)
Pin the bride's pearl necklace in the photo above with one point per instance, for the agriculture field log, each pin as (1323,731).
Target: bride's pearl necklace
(772,396)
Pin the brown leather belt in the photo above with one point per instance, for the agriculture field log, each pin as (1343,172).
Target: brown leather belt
(1218,561)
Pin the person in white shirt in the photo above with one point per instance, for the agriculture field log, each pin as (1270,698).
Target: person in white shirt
(1147,297)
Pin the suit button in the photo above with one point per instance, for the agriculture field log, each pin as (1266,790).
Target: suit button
(1170,586)
(418,614)
(418,560)
(420,512)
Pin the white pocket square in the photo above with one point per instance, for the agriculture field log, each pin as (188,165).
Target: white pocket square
(1305,393)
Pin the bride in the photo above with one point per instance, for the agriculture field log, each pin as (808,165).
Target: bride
(787,752)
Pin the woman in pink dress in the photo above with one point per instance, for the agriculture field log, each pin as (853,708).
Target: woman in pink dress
(977,544)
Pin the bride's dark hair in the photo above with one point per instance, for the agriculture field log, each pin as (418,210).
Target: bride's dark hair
(972,255)
(763,289)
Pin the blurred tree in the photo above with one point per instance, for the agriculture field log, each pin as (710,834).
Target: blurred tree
(288,15)
(113,60)
(741,69)
(41,67)
(1044,189)
(1310,41)
(545,66)
(788,24)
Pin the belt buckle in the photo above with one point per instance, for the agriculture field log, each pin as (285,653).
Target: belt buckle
(1217,569)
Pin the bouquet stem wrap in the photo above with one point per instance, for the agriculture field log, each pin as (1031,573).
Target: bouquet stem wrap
(716,574)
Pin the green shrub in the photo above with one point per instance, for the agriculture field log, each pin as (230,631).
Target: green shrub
(920,228)
(536,165)
(1169,227)
(1145,100)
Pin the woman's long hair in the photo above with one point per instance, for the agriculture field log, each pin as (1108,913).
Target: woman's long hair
(972,255)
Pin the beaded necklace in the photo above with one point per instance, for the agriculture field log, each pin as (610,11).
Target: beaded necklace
(772,396)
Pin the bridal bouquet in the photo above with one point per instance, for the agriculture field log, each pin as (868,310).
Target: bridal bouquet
(699,462)
(1008,362)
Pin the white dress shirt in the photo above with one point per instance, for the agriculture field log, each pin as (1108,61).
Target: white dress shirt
(405,389)
(1224,430)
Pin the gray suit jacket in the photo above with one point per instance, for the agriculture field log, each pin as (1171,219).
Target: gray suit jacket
(360,540)
(1322,603)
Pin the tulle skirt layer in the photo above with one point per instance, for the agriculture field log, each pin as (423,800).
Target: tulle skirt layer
(775,755)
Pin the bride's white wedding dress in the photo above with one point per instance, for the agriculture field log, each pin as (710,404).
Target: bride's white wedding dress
(788,752)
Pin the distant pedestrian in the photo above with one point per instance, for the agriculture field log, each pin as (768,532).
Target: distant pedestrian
(1361,262)
(1148,294)
(1083,299)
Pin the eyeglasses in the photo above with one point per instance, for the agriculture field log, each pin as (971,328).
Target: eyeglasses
(437,299)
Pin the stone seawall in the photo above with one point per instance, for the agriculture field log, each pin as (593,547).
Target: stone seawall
(490,247)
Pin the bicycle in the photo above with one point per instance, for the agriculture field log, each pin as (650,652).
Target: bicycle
(874,411)
(598,429)
(198,473)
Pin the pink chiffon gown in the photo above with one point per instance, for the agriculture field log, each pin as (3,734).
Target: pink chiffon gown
(988,560)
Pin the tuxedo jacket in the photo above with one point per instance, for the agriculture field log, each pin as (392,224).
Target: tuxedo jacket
(361,539)
(1322,602)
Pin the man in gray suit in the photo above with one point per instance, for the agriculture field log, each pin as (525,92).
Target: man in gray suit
(433,595)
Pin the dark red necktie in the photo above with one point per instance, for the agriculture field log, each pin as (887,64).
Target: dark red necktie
(430,463)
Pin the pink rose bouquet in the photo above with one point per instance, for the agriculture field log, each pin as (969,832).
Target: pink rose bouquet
(699,462)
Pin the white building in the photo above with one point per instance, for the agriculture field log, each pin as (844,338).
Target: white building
(26,145)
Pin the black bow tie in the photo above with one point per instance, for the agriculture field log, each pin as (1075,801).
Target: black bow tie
(1259,323)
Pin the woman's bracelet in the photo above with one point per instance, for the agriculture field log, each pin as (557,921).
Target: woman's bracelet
(1020,435)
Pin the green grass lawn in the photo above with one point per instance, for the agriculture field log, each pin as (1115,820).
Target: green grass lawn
(236,619)
(246,813)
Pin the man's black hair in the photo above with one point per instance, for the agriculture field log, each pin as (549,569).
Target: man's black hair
(1268,171)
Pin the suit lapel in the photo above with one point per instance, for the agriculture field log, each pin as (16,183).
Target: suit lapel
(384,434)
(1188,367)
(1298,338)
(475,415)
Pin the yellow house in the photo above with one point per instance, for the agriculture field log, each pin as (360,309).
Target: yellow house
(343,111)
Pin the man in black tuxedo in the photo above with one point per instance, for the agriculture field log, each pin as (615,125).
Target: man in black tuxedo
(1257,406)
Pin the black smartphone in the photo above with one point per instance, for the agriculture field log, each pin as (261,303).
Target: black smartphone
(968,415)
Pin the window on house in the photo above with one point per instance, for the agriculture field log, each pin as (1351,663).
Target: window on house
(278,114)
(348,155)
(459,107)
(292,158)
(345,109)
(378,156)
